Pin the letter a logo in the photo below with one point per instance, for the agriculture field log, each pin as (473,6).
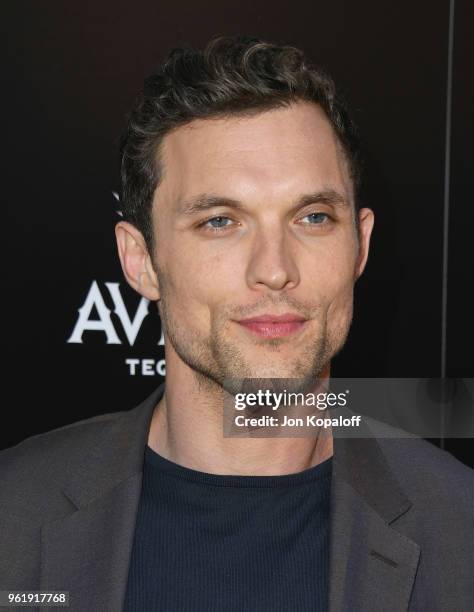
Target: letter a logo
(103,323)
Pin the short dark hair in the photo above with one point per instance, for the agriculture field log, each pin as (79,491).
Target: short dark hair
(232,75)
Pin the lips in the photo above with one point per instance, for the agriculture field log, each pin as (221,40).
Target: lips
(274,326)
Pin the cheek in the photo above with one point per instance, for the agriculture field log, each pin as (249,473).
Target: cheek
(332,273)
(200,283)
(340,297)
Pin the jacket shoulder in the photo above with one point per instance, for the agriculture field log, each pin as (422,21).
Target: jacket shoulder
(431,477)
(30,471)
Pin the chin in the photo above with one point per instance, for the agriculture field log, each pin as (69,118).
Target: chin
(277,373)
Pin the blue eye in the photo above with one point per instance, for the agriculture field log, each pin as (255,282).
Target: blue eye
(314,218)
(217,223)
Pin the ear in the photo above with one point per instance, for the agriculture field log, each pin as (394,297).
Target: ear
(135,260)
(366,224)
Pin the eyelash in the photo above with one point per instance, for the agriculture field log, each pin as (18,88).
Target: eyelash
(214,229)
(319,213)
(220,229)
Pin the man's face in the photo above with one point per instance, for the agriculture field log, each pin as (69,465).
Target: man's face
(255,216)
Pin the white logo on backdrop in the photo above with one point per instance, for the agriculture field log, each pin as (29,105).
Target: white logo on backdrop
(116,196)
(131,325)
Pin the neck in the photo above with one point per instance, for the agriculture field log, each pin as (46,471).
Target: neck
(187,428)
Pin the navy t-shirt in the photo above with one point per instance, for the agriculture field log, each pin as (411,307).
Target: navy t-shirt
(208,542)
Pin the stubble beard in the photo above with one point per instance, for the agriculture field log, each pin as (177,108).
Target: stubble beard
(218,363)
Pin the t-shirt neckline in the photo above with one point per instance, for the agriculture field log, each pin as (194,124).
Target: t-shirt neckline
(314,473)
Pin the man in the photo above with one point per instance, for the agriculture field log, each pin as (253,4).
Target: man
(240,175)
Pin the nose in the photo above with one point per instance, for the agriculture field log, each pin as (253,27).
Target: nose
(272,262)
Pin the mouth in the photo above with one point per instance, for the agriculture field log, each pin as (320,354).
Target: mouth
(274,326)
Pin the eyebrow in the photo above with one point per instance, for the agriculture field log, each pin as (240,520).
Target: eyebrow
(205,201)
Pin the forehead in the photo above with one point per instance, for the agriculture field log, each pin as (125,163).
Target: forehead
(276,152)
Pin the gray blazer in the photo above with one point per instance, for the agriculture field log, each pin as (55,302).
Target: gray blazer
(401,526)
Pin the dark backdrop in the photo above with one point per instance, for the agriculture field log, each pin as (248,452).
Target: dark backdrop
(70,74)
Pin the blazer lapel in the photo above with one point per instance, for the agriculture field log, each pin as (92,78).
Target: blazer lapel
(87,552)
(371,566)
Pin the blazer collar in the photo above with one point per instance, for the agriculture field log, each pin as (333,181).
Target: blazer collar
(372,566)
(88,551)
(115,454)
